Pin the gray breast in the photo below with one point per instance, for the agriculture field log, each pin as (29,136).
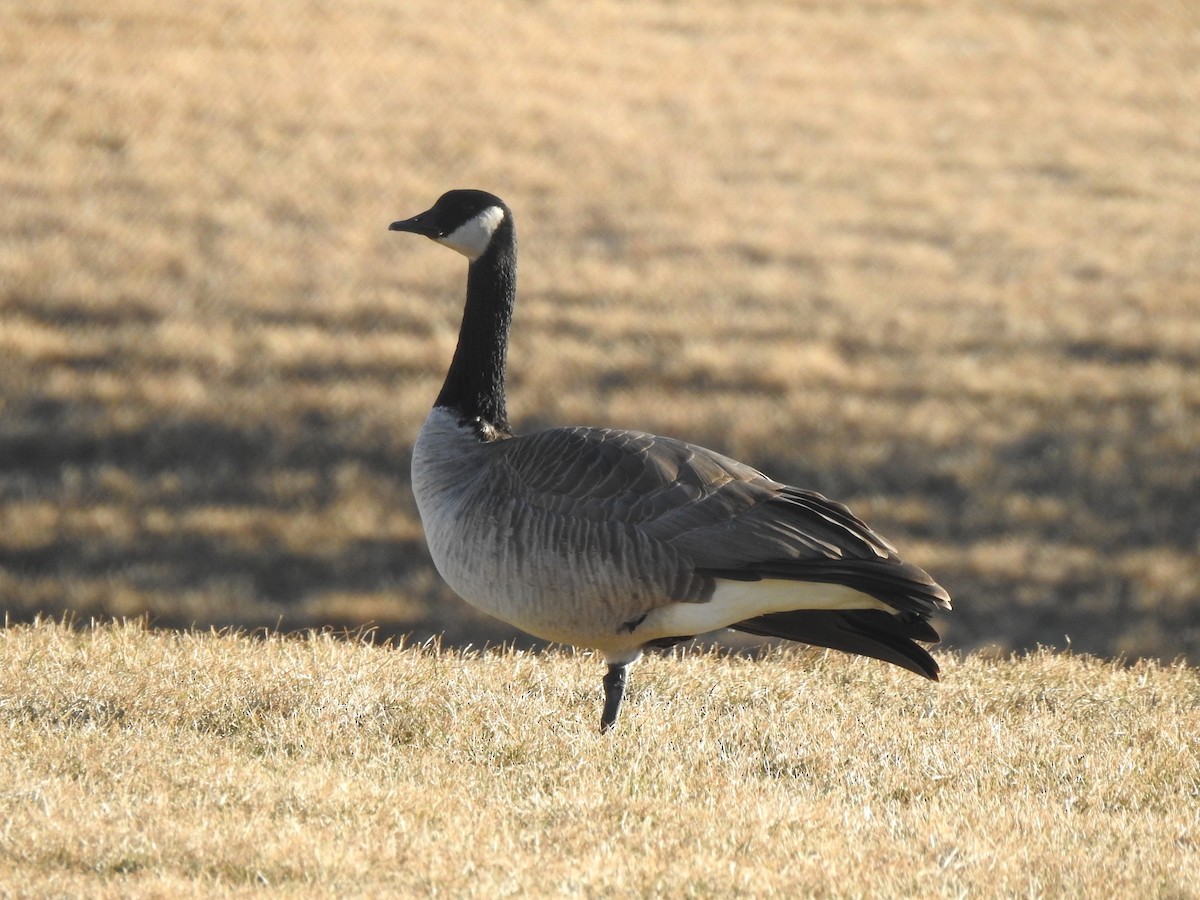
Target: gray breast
(526,531)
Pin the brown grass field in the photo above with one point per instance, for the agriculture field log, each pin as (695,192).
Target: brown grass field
(939,261)
(328,767)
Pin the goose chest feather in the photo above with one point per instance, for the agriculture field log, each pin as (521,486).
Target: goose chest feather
(506,532)
(619,540)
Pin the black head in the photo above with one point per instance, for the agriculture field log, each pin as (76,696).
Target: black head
(464,220)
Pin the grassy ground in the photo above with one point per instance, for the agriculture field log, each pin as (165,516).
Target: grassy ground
(940,262)
(142,764)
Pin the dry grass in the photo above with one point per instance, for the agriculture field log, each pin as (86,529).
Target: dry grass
(937,261)
(142,764)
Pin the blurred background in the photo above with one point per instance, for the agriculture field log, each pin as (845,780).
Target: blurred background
(939,261)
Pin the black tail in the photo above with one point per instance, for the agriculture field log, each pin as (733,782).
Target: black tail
(867,632)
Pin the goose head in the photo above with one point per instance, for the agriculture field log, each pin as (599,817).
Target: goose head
(463,220)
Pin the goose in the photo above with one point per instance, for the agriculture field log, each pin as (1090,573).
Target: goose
(618,540)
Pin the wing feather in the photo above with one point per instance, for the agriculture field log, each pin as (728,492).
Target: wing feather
(718,518)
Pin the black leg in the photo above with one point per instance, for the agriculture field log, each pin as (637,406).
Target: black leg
(614,692)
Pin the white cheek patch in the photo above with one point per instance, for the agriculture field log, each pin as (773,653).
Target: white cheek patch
(472,237)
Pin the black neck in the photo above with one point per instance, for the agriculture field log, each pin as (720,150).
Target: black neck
(474,386)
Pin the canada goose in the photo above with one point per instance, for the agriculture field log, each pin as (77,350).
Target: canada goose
(620,540)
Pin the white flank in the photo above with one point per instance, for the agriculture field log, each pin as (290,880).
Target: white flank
(736,601)
(472,237)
